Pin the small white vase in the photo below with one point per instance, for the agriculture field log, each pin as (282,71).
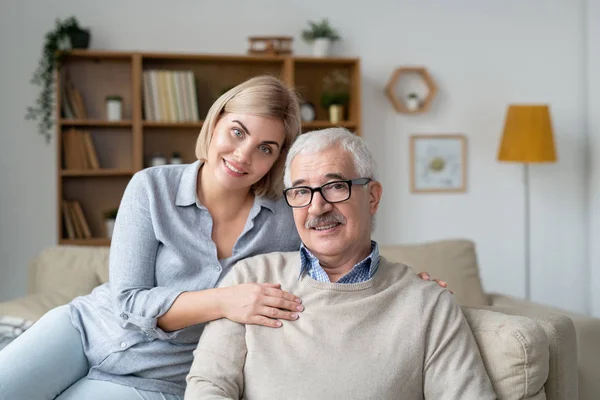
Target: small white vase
(413,103)
(321,47)
(109,225)
(114,110)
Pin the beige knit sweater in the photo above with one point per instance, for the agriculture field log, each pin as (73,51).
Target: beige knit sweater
(392,337)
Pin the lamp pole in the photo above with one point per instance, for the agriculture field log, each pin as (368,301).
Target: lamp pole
(527,233)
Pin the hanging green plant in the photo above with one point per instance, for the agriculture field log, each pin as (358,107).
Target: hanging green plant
(66,35)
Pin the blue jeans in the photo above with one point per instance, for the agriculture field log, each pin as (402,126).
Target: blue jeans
(47,362)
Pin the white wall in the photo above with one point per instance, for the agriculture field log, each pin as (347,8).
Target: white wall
(593,119)
(483,56)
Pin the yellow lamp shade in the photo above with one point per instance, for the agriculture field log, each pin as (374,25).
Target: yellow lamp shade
(527,136)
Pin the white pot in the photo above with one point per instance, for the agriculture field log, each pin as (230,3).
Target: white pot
(113,110)
(321,47)
(157,160)
(109,226)
(413,104)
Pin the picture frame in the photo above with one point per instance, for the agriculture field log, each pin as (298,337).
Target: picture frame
(438,163)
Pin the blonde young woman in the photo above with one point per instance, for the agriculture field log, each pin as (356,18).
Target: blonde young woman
(179,230)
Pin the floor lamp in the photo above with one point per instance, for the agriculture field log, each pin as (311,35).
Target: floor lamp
(527,139)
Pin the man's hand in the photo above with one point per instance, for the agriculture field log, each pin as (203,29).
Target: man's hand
(425,276)
(259,304)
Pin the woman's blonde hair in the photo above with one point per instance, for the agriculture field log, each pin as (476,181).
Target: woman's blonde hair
(265,96)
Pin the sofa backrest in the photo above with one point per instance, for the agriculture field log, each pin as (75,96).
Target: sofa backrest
(84,267)
(454,261)
(73,270)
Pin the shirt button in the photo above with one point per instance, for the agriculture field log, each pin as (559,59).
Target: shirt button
(123,345)
(124,316)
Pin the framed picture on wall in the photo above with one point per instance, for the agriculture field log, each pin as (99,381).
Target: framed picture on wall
(438,163)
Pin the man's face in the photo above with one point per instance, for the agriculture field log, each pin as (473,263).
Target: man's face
(330,230)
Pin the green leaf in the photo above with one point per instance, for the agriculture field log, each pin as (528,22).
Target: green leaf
(44,76)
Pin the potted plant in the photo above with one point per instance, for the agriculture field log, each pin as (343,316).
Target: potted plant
(110,217)
(413,103)
(66,35)
(176,158)
(335,96)
(321,35)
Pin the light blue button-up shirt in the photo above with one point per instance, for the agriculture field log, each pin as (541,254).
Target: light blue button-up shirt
(361,272)
(162,247)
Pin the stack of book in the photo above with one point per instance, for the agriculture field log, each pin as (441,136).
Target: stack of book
(75,223)
(78,150)
(170,96)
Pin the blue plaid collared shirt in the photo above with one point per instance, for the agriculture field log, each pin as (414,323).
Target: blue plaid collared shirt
(361,272)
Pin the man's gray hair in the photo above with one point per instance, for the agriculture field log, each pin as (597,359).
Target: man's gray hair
(315,141)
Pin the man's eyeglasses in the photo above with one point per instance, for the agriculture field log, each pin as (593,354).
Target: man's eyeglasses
(332,192)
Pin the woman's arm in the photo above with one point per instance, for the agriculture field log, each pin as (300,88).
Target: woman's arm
(132,266)
(142,305)
(249,303)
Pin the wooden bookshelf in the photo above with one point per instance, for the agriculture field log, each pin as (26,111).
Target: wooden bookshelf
(121,148)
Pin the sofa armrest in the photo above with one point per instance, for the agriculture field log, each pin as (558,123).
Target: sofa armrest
(33,306)
(587,330)
(560,331)
(515,351)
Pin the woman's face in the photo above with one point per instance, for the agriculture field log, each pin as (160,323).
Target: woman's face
(243,149)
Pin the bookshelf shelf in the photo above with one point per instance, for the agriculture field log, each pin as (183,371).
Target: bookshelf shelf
(227,58)
(326,124)
(326,60)
(96,55)
(164,96)
(104,172)
(173,125)
(95,123)
(86,242)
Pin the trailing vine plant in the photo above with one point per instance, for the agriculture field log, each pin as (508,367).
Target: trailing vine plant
(55,40)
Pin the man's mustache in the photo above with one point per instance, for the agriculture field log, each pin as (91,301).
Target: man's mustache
(325,219)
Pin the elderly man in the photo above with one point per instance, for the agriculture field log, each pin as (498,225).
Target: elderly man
(370,329)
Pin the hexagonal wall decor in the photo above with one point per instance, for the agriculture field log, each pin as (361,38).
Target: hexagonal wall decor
(400,105)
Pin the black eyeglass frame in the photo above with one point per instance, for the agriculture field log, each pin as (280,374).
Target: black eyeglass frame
(349,182)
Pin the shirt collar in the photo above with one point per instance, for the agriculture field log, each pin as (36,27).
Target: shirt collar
(266,202)
(308,260)
(187,195)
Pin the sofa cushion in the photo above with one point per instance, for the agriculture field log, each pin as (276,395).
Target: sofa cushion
(72,270)
(33,306)
(453,261)
(515,351)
